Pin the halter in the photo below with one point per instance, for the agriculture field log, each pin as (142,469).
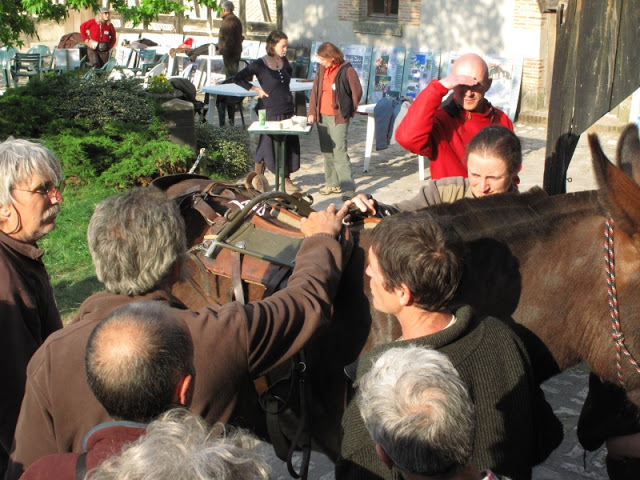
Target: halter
(610,269)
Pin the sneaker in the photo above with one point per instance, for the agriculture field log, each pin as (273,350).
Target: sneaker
(348,195)
(329,190)
(289,186)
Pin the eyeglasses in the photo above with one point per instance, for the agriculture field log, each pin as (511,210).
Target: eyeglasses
(49,189)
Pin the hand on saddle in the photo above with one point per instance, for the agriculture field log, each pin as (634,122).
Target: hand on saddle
(327,221)
(364,203)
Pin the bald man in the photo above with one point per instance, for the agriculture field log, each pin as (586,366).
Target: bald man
(443,131)
(138,364)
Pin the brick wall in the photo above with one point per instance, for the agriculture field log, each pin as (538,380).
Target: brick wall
(527,16)
(356,11)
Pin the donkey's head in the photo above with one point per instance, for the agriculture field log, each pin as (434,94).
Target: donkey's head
(621,185)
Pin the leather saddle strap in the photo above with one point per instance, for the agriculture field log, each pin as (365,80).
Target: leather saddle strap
(208,213)
(248,183)
(274,281)
(236,276)
(205,284)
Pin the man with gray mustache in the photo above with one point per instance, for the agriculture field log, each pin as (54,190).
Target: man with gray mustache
(30,195)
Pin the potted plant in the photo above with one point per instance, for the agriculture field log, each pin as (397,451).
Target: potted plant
(160,89)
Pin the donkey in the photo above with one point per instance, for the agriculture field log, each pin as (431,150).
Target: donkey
(537,259)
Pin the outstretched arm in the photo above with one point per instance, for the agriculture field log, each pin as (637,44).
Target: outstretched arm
(280,325)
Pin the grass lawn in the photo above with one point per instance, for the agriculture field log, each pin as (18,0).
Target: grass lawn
(67,255)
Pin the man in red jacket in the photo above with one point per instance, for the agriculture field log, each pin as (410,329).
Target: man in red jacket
(100,36)
(442,132)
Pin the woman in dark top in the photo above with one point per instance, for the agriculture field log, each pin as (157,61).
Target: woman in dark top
(273,72)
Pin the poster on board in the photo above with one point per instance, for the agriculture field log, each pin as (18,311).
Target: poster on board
(360,58)
(314,60)
(358,55)
(506,77)
(420,67)
(386,73)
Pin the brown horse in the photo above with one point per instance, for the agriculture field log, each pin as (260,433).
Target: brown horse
(538,259)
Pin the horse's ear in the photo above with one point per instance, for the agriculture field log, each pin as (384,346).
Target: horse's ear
(622,192)
(628,152)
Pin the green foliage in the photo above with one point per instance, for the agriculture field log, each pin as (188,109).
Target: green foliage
(119,155)
(56,103)
(14,22)
(159,84)
(83,156)
(98,101)
(17,16)
(228,149)
(32,110)
(141,163)
(67,255)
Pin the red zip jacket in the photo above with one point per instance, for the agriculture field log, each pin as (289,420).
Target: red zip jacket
(430,131)
(108,32)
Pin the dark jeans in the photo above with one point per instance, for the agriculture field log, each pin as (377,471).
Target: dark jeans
(97,59)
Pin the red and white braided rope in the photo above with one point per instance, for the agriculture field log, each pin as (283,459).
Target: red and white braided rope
(610,268)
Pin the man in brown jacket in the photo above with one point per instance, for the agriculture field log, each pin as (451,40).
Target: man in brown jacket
(137,241)
(139,364)
(30,199)
(230,39)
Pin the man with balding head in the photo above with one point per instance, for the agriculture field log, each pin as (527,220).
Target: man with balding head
(139,364)
(442,132)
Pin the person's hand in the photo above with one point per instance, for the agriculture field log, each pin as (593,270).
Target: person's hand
(311,119)
(261,92)
(365,204)
(452,81)
(93,44)
(325,221)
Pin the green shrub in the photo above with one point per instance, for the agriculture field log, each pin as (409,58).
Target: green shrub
(98,101)
(32,110)
(119,155)
(228,149)
(56,103)
(141,163)
(83,156)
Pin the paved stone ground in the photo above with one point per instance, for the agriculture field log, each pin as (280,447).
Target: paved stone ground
(393,175)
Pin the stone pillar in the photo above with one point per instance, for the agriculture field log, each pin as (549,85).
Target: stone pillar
(180,120)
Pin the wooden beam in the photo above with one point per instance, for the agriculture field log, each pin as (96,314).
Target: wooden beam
(596,66)
(279,14)
(266,14)
(547,6)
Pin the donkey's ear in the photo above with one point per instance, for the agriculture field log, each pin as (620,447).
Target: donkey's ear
(628,152)
(622,192)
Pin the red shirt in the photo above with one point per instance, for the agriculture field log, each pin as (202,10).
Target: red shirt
(430,131)
(326,98)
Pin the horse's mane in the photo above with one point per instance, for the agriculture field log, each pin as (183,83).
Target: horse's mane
(508,215)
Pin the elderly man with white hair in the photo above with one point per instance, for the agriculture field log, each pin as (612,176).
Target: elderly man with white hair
(30,196)
(420,415)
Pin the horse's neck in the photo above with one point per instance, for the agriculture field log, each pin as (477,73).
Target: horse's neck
(540,261)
